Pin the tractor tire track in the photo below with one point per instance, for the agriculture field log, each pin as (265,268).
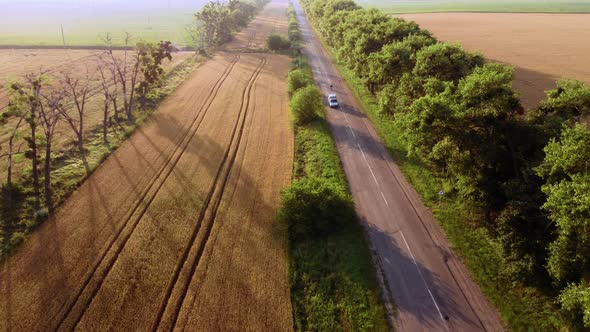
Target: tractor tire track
(142,198)
(211,205)
(212,241)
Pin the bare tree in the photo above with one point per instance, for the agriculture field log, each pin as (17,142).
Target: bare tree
(109,94)
(110,63)
(78,91)
(50,115)
(127,70)
(195,33)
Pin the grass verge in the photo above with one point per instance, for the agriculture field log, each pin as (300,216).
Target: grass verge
(333,285)
(70,167)
(522,308)
(333,281)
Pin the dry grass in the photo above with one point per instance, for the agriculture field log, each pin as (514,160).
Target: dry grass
(176,227)
(541,47)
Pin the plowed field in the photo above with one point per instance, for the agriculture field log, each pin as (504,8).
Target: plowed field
(541,47)
(175,229)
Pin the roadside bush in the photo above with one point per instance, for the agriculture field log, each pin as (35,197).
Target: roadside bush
(576,300)
(306,104)
(296,80)
(275,42)
(314,207)
(294,34)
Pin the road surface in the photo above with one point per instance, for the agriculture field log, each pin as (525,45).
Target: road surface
(431,288)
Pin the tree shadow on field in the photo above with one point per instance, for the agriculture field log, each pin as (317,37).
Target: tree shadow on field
(243,244)
(531,85)
(8,226)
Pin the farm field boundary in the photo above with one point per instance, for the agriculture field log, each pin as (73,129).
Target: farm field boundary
(520,40)
(180,216)
(479,6)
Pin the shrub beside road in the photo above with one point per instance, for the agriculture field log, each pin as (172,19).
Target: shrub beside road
(452,121)
(333,280)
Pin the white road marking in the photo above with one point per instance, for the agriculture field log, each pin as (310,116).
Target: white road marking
(386,203)
(424,280)
(322,69)
(367,163)
(352,132)
(349,126)
(346,117)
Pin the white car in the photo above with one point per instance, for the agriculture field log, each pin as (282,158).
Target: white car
(332,101)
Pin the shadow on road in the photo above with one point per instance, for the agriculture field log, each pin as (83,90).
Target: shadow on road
(412,284)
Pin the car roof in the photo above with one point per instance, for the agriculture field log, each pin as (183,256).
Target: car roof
(333,95)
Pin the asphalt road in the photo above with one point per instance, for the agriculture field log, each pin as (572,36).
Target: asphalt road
(430,287)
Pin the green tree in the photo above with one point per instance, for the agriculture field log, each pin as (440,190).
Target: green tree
(400,95)
(447,62)
(275,42)
(296,80)
(568,156)
(388,65)
(363,40)
(565,104)
(306,104)
(314,207)
(576,299)
(571,98)
(150,57)
(393,60)
(464,131)
(566,169)
(568,203)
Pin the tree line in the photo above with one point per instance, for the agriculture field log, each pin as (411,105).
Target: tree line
(40,101)
(217,21)
(527,171)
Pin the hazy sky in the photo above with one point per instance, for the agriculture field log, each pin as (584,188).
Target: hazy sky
(33,19)
(28,11)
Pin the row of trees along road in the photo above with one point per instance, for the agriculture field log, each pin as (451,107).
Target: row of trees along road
(528,172)
(217,21)
(41,101)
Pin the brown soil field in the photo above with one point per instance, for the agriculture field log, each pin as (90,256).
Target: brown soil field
(175,229)
(15,63)
(541,47)
(271,20)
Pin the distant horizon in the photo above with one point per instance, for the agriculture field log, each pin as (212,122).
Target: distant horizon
(84,20)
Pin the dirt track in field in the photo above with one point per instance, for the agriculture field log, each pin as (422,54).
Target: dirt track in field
(174,230)
(541,47)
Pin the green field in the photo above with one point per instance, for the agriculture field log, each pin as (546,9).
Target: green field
(85,21)
(425,6)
